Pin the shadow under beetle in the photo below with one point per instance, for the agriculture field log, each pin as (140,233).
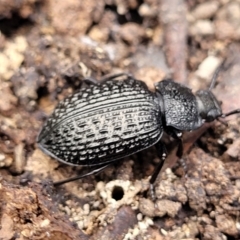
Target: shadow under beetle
(110,120)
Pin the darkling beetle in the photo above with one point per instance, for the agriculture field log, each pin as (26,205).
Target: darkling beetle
(112,119)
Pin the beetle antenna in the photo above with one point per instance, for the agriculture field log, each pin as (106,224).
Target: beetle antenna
(230,113)
(215,75)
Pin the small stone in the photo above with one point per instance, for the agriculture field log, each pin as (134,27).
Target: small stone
(205,10)
(227,225)
(2,157)
(207,67)
(202,28)
(45,223)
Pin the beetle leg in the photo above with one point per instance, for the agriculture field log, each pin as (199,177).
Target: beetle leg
(162,153)
(90,80)
(177,135)
(114,76)
(180,148)
(95,171)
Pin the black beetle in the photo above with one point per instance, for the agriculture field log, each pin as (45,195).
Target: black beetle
(107,121)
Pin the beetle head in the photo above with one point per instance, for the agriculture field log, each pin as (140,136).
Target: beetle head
(208,106)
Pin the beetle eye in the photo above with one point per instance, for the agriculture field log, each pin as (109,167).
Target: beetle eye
(212,115)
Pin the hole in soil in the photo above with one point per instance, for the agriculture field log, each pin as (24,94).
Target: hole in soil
(117,193)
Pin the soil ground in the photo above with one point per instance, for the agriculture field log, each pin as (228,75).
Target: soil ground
(47,47)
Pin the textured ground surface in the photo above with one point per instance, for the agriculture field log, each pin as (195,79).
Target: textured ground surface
(46,48)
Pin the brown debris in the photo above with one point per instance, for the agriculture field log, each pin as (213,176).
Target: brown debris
(173,17)
(74,23)
(47,48)
(226,224)
(24,8)
(167,207)
(121,222)
(29,213)
(132,34)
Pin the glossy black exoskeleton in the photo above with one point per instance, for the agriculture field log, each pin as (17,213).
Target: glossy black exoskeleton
(107,121)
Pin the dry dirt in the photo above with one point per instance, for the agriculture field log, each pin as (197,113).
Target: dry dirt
(47,47)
